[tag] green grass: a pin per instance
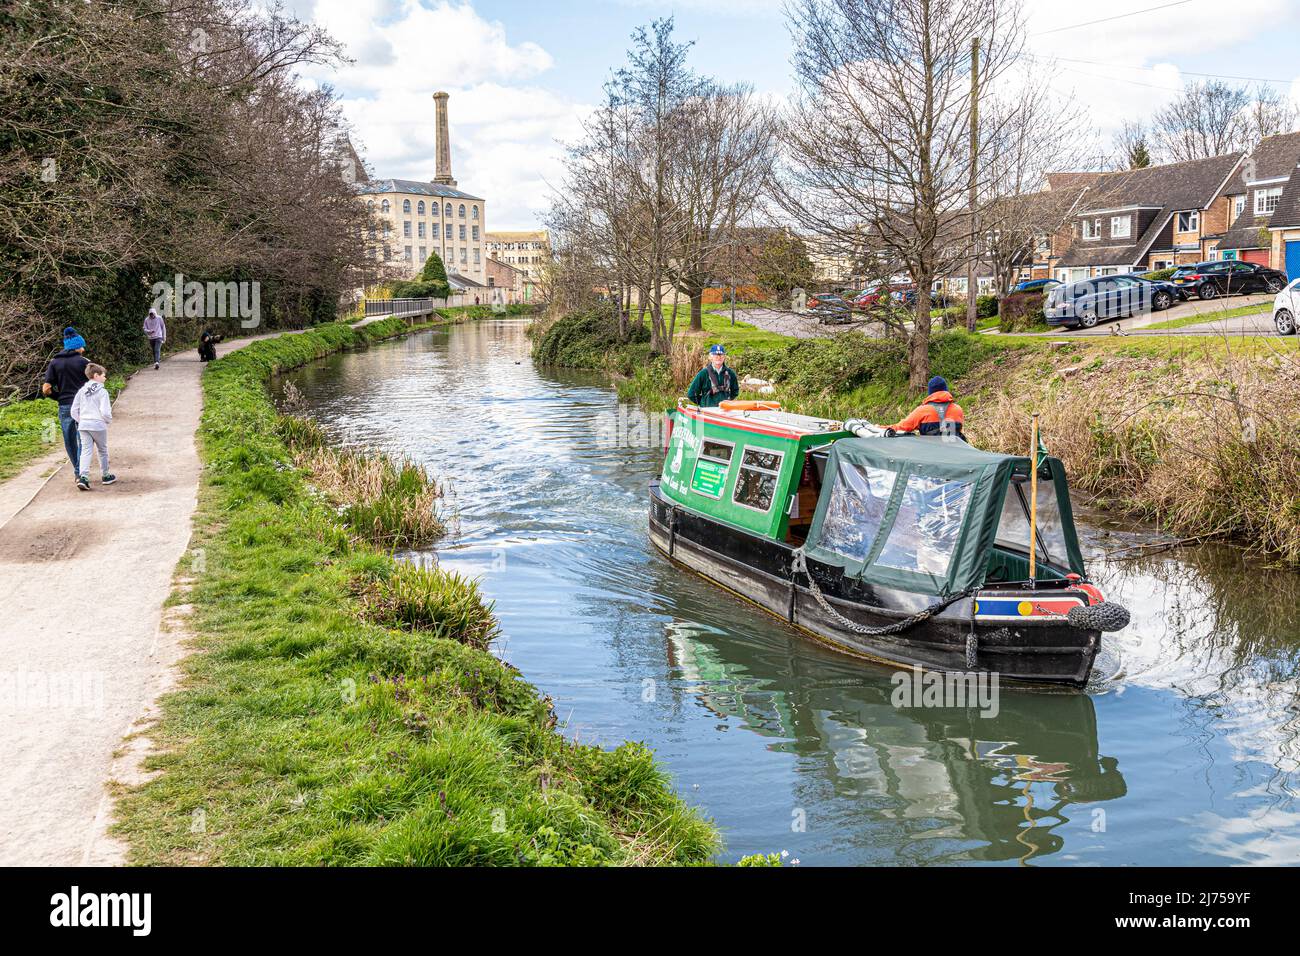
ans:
(1204, 317)
(340, 708)
(31, 428)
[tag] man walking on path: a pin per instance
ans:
(64, 377)
(156, 329)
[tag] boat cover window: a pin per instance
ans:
(1013, 528)
(934, 533)
(925, 533)
(756, 483)
(856, 508)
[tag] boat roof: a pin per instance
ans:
(765, 421)
(931, 450)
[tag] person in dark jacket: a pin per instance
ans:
(208, 345)
(64, 377)
(937, 415)
(714, 383)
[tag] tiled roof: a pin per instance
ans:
(1170, 188)
(1272, 158)
(1287, 212)
(1244, 233)
(417, 188)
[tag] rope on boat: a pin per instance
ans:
(799, 564)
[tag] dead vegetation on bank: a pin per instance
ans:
(1204, 440)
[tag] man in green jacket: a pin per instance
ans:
(714, 383)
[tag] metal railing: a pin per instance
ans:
(402, 308)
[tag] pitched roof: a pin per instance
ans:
(416, 188)
(1274, 157)
(1170, 188)
(1287, 212)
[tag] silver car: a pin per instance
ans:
(1286, 308)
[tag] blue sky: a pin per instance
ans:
(522, 74)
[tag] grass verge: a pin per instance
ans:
(341, 707)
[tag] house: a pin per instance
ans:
(1284, 228)
(1252, 197)
(1137, 220)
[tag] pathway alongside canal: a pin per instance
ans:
(86, 576)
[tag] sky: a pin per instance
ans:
(523, 73)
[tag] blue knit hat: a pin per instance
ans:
(717, 350)
(937, 384)
(72, 340)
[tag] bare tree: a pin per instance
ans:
(726, 143)
(1269, 113)
(1207, 119)
(878, 135)
(1131, 147)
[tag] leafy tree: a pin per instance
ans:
(434, 274)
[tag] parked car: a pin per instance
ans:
(1030, 285)
(1089, 301)
(1286, 309)
(828, 307)
(1225, 277)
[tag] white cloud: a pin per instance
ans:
(504, 126)
(1125, 69)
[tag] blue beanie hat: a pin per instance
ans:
(72, 340)
(937, 384)
(717, 350)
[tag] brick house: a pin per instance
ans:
(1137, 220)
(1251, 198)
(1284, 228)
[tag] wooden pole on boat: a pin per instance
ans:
(1033, 500)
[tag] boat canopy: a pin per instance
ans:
(925, 514)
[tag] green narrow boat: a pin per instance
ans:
(910, 550)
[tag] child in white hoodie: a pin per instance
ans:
(93, 413)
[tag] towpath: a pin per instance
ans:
(86, 650)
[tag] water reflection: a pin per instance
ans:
(1188, 754)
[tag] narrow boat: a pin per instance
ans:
(907, 550)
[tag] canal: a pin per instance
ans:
(1186, 750)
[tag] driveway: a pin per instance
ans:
(1259, 323)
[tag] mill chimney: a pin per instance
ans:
(444, 141)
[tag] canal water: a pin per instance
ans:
(1185, 752)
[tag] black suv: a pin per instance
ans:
(1226, 277)
(1088, 301)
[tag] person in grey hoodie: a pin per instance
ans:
(156, 329)
(93, 413)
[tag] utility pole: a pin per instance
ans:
(972, 282)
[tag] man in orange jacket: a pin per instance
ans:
(938, 415)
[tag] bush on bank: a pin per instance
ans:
(341, 708)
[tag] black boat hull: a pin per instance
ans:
(1033, 650)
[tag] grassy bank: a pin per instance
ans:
(29, 429)
(342, 707)
(1197, 434)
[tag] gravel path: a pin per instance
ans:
(799, 326)
(85, 648)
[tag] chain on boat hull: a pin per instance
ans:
(938, 635)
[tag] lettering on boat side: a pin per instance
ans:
(917, 688)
